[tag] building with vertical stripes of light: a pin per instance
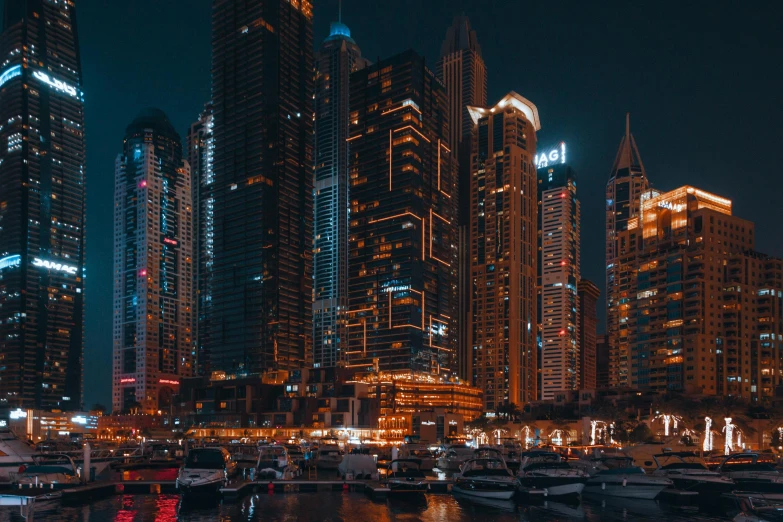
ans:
(403, 245)
(558, 267)
(262, 99)
(336, 59)
(154, 267)
(42, 205)
(461, 69)
(504, 254)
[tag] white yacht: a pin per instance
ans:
(689, 473)
(754, 472)
(48, 472)
(273, 463)
(453, 457)
(486, 478)
(328, 456)
(617, 476)
(420, 452)
(206, 470)
(545, 470)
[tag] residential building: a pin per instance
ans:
(587, 324)
(42, 206)
(504, 257)
(601, 362)
(153, 267)
(200, 155)
(627, 182)
(558, 273)
(402, 245)
(336, 59)
(262, 102)
(461, 69)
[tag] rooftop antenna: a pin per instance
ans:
(340, 11)
(627, 124)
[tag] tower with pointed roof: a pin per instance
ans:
(335, 60)
(461, 69)
(626, 189)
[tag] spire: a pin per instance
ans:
(460, 36)
(340, 11)
(628, 154)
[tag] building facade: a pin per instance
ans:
(402, 246)
(504, 259)
(461, 69)
(587, 324)
(200, 153)
(601, 362)
(688, 329)
(42, 206)
(154, 267)
(627, 182)
(558, 272)
(337, 58)
(262, 100)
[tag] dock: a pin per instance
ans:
(235, 491)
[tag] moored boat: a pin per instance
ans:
(205, 471)
(487, 477)
(617, 476)
(688, 473)
(753, 472)
(406, 476)
(545, 470)
(453, 457)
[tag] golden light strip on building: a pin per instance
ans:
(414, 129)
(390, 160)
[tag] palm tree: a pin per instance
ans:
(732, 411)
(513, 412)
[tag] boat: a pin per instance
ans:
(688, 473)
(512, 451)
(757, 510)
(486, 477)
(753, 472)
(418, 451)
(205, 471)
(358, 466)
(453, 457)
(546, 470)
(296, 455)
(617, 476)
(47, 472)
(328, 456)
(406, 476)
(273, 463)
(245, 455)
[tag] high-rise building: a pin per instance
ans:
(681, 248)
(587, 324)
(627, 182)
(504, 220)
(402, 251)
(558, 273)
(200, 152)
(153, 266)
(461, 69)
(262, 101)
(337, 58)
(601, 362)
(42, 202)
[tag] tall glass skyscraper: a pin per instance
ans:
(42, 201)
(153, 266)
(403, 279)
(200, 153)
(337, 58)
(262, 98)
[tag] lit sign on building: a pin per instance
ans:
(13, 72)
(10, 261)
(18, 414)
(79, 419)
(169, 381)
(57, 85)
(554, 156)
(60, 267)
(671, 206)
(127, 381)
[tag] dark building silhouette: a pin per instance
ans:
(588, 322)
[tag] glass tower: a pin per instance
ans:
(42, 201)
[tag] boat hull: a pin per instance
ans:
(630, 489)
(401, 487)
(705, 488)
(554, 486)
(200, 488)
(497, 494)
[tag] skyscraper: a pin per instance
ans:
(154, 266)
(262, 99)
(462, 71)
(337, 58)
(627, 182)
(558, 269)
(200, 154)
(42, 201)
(402, 267)
(587, 324)
(504, 220)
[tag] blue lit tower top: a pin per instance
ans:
(339, 31)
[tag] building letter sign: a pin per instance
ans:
(554, 156)
(10, 261)
(55, 84)
(13, 72)
(68, 269)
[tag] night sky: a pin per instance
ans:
(702, 84)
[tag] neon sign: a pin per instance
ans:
(554, 156)
(671, 206)
(10, 261)
(79, 419)
(57, 85)
(51, 265)
(169, 381)
(13, 72)
(18, 414)
(127, 381)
